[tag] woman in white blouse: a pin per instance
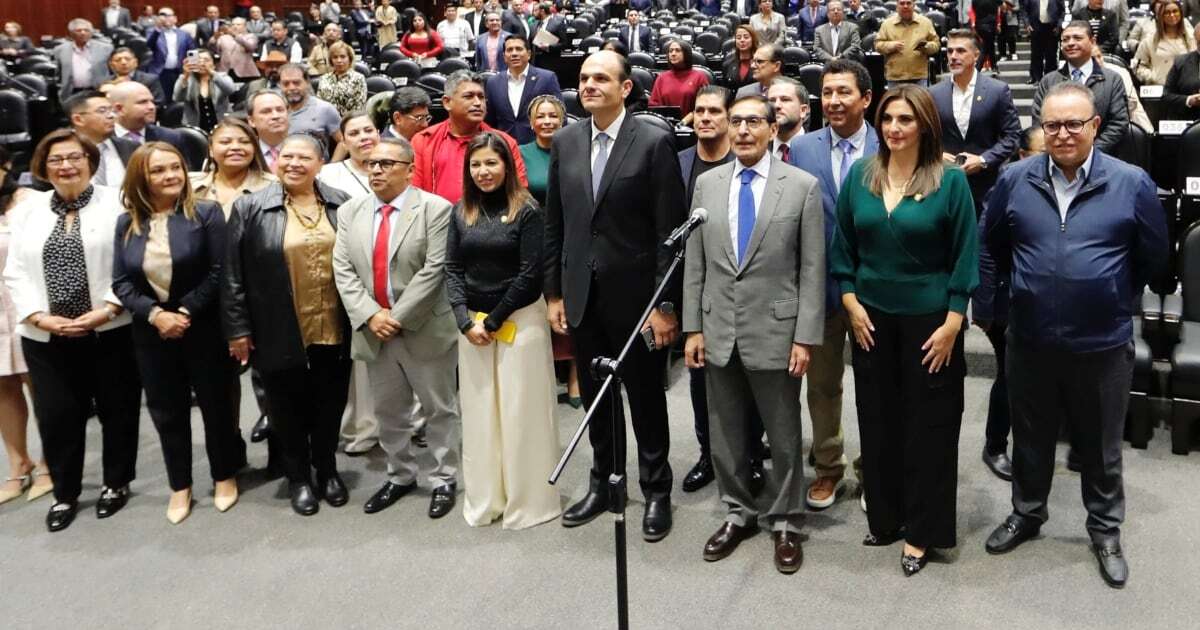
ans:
(75, 333)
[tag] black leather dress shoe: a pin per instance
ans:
(656, 522)
(111, 501)
(725, 540)
(1010, 534)
(789, 555)
(304, 500)
(334, 490)
(1113, 567)
(60, 516)
(999, 464)
(699, 476)
(261, 430)
(758, 477)
(442, 500)
(387, 495)
(588, 508)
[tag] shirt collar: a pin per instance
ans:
(396, 203)
(762, 167)
(520, 77)
(857, 138)
(1087, 68)
(1080, 174)
(970, 84)
(612, 129)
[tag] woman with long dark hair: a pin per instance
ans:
(169, 252)
(736, 68)
(905, 256)
(505, 366)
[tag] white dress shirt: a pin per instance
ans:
(858, 143)
(612, 137)
(833, 37)
(81, 67)
(111, 16)
(394, 224)
(1064, 191)
(516, 88)
(757, 188)
(171, 36)
(962, 100)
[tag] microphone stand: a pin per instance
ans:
(618, 496)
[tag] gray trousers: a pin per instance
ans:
(731, 388)
(398, 381)
(1089, 392)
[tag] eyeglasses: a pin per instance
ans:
(58, 160)
(755, 61)
(753, 122)
(421, 119)
(102, 111)
(384, 165)
(1073, 127)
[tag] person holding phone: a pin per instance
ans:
(203, 91)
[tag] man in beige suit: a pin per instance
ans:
(388, 263)
(753, 306)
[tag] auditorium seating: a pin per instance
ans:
(1185, 357)
(194, 147)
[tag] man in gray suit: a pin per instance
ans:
(837, 38)
(82, 62)
(765, 65)
(388, 263)
(753, 306)
(114, 16)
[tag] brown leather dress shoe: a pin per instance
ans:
(788, 554)
(722, 543)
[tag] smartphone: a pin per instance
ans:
(193, 54)
(648, 337)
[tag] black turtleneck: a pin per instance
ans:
(494, 266)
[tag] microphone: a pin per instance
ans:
(699, 215)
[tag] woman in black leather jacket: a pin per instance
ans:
(281, 310)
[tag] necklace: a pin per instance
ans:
(307, 222)
(903, 188)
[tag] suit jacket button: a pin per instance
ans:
(595, 233)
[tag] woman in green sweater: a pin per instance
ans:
(906, 258)
(546, 116)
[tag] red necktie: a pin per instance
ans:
(379, 258)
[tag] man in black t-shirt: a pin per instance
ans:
(711, 122)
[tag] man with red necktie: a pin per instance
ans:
(388, 264)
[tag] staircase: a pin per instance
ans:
(1016, 75)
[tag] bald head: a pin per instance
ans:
(134, 105)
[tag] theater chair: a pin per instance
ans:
(1181, 321)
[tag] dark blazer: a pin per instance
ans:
(158, 46)
(125, 148)
(993, 133)
(513, 23)
(807, 26)
(481, 52)
(556, 25)
(617, 237)
(730, 69)
(645, 38)
(152, 83)
(867, 23)
(1055, 9)
(197, 258)
(499, 110)
(156, 133)
(204, 31)
(813, 154)
(475, 19)
(1183, 80)
(256, 290)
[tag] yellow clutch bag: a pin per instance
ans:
(507, 332)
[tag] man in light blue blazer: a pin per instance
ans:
(531, 81)
(827, 154)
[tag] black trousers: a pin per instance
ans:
(605, 326)
(1006, 42)
(987, 48)
(69, 375)
(1043, 44)
(908, 421)
(306, 412)
(998, 419)
(698, 389)
(1089, 391)
(171, 370)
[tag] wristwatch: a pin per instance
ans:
(667, 308)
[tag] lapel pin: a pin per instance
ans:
(979, 99)
(504, 219)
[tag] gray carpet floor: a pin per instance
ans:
(261, 566)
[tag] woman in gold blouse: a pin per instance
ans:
(344, 87)
(168, 254)
(281, 311)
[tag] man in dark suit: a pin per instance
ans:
(509, 92)
(515, 20)
(207, 27)
(550, 22)
(827, 154)
(614, 194)
(636, 37)
(980, 130)
(136, 113)
(810, 17)
(124, 66)
(114, 16)
(1043, 28)
(476, 17)
(168, 47)
(861, 16)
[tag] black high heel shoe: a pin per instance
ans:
(912, 564)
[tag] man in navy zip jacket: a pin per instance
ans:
(1081, 233)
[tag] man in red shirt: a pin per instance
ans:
(441, 149)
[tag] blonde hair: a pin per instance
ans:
(135, 190)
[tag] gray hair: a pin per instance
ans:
(830, 4)
(77, 22)
(801, 91)
(292, 67)
(406, 150)
(458, 77)
(1070, 88)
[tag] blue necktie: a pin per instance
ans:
(1077, 75)
(745, 214)
(847, 148)
(599, 164)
